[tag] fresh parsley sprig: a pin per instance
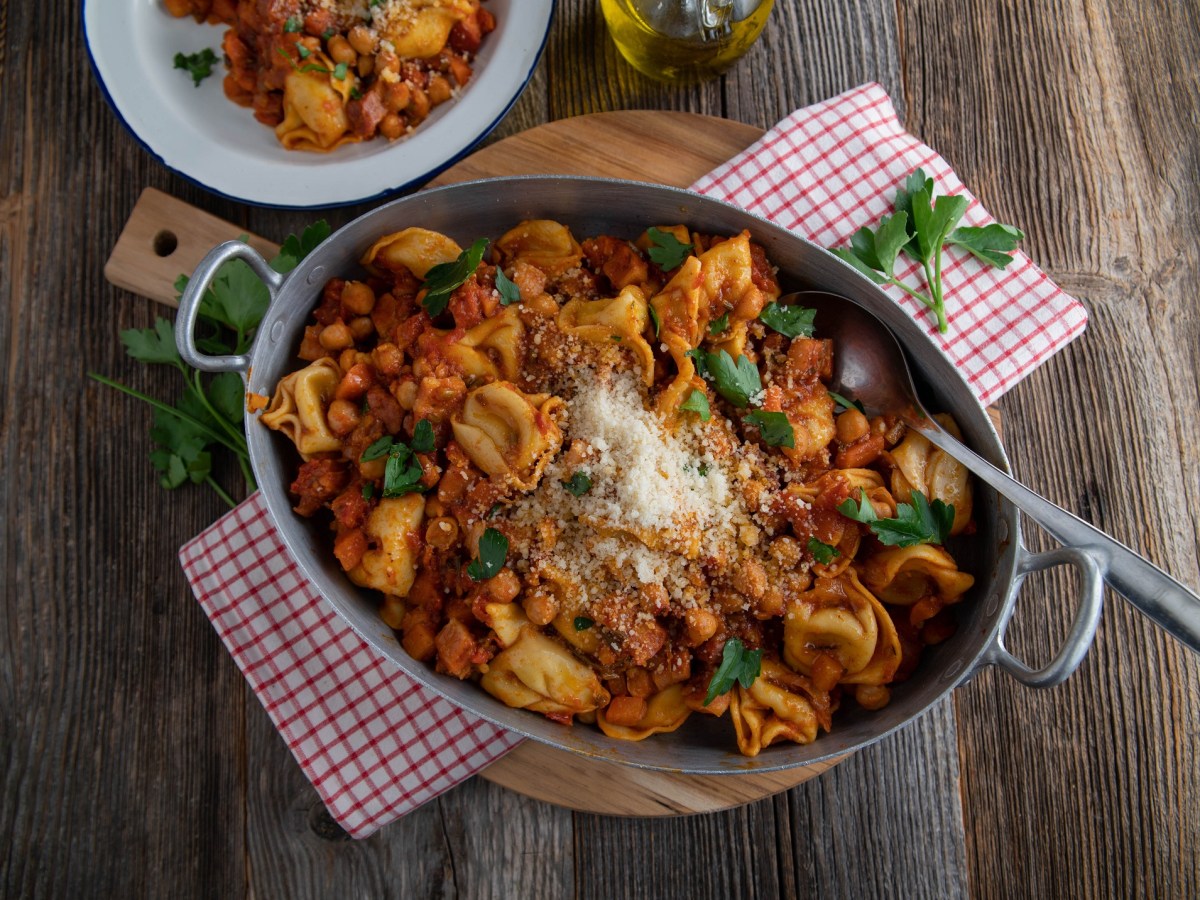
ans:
(790, 321)
(666, 251)
(507, 288)
(922, 226)
(445, 278)
(918, 522)
(402, 474)
(774, 427)
(697, 402)
(737, 665)
(211, 411)
(737, 381)
(822, 552)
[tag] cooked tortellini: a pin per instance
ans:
(314, 113)
(540, 242)
(492, 349)
(904, 575)
(297, 409)
(776, 707)
(920, 466)
(665, 712)
(621, 319)
(416, 249)
(507, 433)
(394, 528)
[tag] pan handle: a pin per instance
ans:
(189, 304)
(1087, 617)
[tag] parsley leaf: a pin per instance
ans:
(493, 551)
(199, 65)
(292, 25)
(339, 71)
(295, 248)
(790, 321)
(823, 553)
(915, 523)
(654, 318)
(993, 244)
(717, 326)
(445, 278)
(697, 402)
(368, 490)
(509, 292)
(698, 360)
(737, 665)
(378, 449)
(775, 428)
(844, 404)
(402, 474)
(578, 484)
(152, 345)
(422, 441)
(736, 382)
(666, 252)
(583, 623)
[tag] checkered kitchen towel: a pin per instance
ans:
(377, 745)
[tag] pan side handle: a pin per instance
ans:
(1087, 617)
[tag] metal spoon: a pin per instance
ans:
(870, 367)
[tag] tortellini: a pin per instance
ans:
(543, 243)
(841, 619)
(394, 530)
(501, 335)
(421, 31)
(920, 466)
(314, 113)
(416, 249)
(536, 672)
(904, 575)
(776, 707)
(665, 712)
(298, 406)
(507, 433)
(621, 318)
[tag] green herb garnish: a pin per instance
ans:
(655, 319)
(578, 484)
(822, 552)
(493, 551)
(666, 252)
(922, 226)
(699, 361)
(339, 71)
(790, 321)
(775, 428)
(915, 523)
(845, 404)
(292, 25)
(199, 65)
(368, 490)
(445, 278)
(697, 402)
(717, 326)
(737, 665)
(422, 441)
(736, 382)
(509, 292)
(583, 623)
(210, 413)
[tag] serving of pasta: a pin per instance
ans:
(606, 480)
(326, 73)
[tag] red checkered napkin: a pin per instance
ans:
(377, 745)
(827, 170)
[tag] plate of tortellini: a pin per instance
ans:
(313, 103)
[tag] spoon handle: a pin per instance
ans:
(1149, 588)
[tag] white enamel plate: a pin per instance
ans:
(219, 145)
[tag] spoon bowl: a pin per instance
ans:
(870, 367)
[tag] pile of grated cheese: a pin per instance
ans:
(662, 505)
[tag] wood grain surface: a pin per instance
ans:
(137, 763)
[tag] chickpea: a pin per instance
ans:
(851, 425)
(336, 336)
(541, 606)
(439, 90)
(361, 39)
(504, 585)
(358, 298)
(871, 696)
(361, 327)
(543, 304)
(396, 97)
(366, 65)
(343, 417)
(442, 533)
(701, 625)
(405, 393)
(391, 126)
(340, 51)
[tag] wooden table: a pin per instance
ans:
(136, 761)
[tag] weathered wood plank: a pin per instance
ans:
(1080, 123)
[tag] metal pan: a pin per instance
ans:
(591, 206)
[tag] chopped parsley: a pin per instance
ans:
(666, 251)
(717, 326)
(790, 321)
(445, 278)
(655, 319)
(738, 665)
(292, 25)
(578, 484)
(736, 382)
(697, 402)
(918, 522)
(402, 474)
(583, 623)
(775, 428)
(844, 404)
(509, 292)
(199, 65)
(493, 551)
(822, 552)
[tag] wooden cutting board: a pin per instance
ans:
(165, 237)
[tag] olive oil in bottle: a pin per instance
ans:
(681, 41)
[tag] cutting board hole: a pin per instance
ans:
(165, 243)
